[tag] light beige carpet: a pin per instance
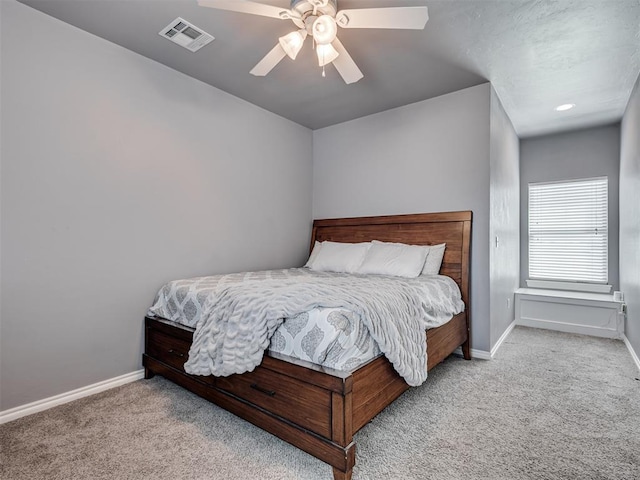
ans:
(549, 406)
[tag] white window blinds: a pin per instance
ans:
(568, 231)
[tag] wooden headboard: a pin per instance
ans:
(452, 228)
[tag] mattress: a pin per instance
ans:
(331, 337)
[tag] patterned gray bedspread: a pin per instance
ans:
(331, 337)
(236, 315)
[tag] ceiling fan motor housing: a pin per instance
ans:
(305, 10)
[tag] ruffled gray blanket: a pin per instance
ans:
(238, 320)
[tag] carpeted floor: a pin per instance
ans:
(549, 406)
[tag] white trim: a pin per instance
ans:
(47, 403)
(568, 327)
(572, 312)
(631, 351)
(571, 286)
(481, 354)
(502, 338)
(600, 298)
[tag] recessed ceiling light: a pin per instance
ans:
(565, 107)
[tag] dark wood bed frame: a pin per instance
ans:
(314, 408)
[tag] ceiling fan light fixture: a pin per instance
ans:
(326, 54)
(292, 43)
(564, 107)
(324, 29)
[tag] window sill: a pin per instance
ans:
(566, 295)
(569, 286)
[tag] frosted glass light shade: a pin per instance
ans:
(292, 43)
(324, 30)
(326, 54)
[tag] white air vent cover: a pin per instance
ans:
(186, 35)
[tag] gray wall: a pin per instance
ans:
(426, 157)
(119, 174)
(630, 216)
(1, 142)
(592, 152)
(504, 254)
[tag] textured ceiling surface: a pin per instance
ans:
(537, 55)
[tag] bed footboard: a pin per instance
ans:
(310, 408)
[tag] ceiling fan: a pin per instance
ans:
(320, 19)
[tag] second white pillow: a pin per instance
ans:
(395, 259)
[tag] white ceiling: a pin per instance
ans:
(537, 55)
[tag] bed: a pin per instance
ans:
(314, 408)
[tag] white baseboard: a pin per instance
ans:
(631, 351)
(481, 354)
(47, 403)
(502, 338)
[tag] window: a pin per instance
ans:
(568, 231)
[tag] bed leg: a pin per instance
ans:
(340, 475)
(466, 350)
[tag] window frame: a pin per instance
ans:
(601, 206)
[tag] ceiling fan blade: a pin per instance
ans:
(345, 65)
(245, 6)
(410, 18)
(270, 60)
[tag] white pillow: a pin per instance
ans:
(340, 257)
(434, 259)
(396, 259)
(314, 254)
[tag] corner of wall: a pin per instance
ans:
(630, 215)
(504, 228)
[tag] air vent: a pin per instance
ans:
(186, 35)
